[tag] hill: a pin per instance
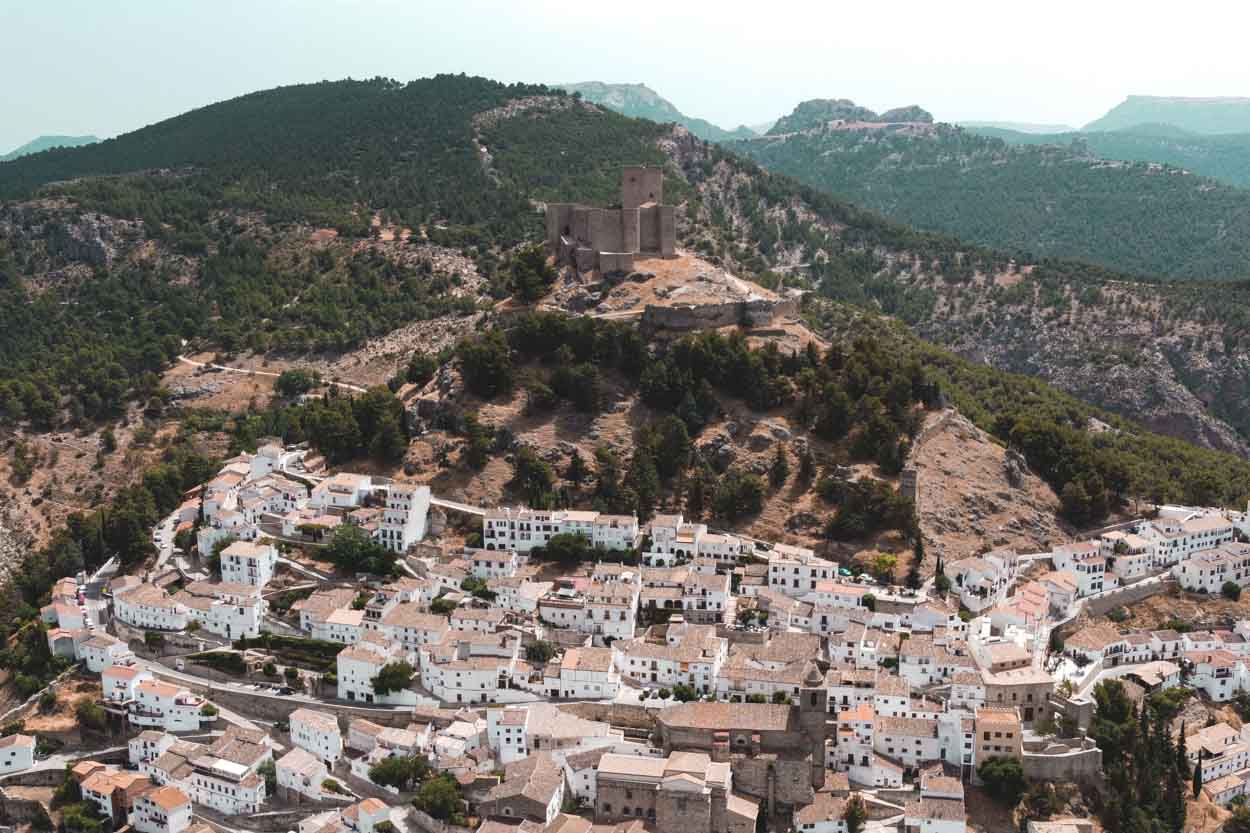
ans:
(1039, 200)
(1225, 158)
(1197, 115)
(1017, 126)
(641, 102)
(42, 143)
(818, 112)
(320, 219)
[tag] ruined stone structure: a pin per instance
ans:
(778, 752)
(607, 239)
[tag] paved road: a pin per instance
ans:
(270, 374)
(163, 538)
(468, 509)
(306, 571)
(227, 715)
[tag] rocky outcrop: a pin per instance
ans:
(1174, 375)
(974, 495)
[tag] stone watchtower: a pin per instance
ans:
(608, 239)
(814, 719)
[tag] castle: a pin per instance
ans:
(607, 239)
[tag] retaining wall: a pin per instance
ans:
(620, 715)
(1126, 596)
(15, 811)
(277, 707)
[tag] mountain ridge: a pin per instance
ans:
(816, 112)
(1207, 115)
(48, 142)
(1033, 198)
(640, 101)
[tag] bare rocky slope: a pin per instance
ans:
(973, 494)
(1134, 349)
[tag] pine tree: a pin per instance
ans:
(577, 472)
(780, 469)
(1182, 754)
(914, 580)
(1174, 802)
(807, 466)
(644, 480)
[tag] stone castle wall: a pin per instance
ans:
(754, 313)
(607, 238)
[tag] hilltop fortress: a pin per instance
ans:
(607, 239)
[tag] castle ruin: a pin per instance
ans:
(608, 239)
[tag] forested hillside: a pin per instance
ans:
(1225, 158)
(459, 160)
(1040, 201)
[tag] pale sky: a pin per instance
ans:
(106, 67)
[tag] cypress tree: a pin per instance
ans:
(1182, 754)
(1198, 778)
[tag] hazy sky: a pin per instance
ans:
(108, 66)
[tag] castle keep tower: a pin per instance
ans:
(607, 239)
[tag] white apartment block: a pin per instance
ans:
(506, 733)
(358, 664)
(404, 516)
(1219, 674)
(318, 733)
(492, 564)
(1208, 570)
(584, 674)
(982, 582)
(341, 491)
(224, 608)
(412, 626)
(345, 626)
(1179, 532)
(522, 529)
(300, 772)
(101, 650)
(795, 571)
(676, 653)
(162, 810)
(468, 680)
(674, 541)
(244, 562)
(17, 752)
(120, 683)
(910, 741)
(148, 606)
(165, 706)
(604, 609)
(148, 745)
(1222, 749)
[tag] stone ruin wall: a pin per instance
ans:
(756, 313)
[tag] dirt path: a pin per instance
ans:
(269, 373)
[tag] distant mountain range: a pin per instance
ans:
(1224, 157)
(47, 143)
(1018, 126)
(641, 102)
(1054, 196)
(1197, 115)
